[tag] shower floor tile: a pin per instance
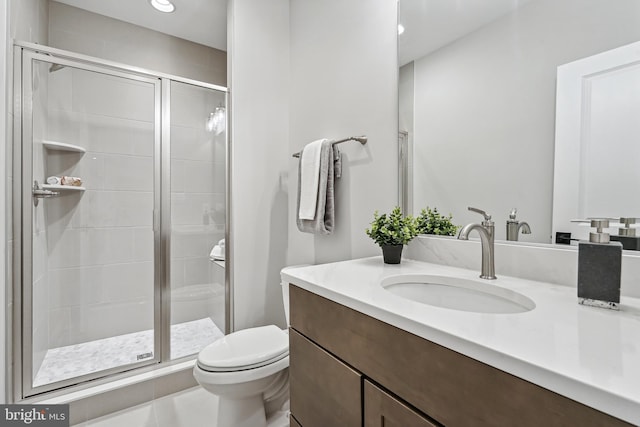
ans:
(80, 359)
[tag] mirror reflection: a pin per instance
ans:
(478, 102)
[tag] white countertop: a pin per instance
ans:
(591, 355)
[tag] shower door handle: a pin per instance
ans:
(39, 193)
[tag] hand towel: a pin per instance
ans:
(309, 179)
(324, 215)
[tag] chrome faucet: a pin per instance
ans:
(514, 226)
(486, 231)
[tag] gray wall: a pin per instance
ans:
(84, 32)
(344, 80)
(328, 69)
(258, 34)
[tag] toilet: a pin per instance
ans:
(249, 372)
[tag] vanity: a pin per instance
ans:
(362, 355)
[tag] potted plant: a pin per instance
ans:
(391, 232)
(432, 222)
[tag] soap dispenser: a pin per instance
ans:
(627, 235)
(514, 226)
(599, 268)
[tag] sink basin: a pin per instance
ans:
(457, 294)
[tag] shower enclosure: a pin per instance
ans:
(119, 199)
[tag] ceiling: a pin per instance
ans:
(199, 21)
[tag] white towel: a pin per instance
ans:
(309, 179)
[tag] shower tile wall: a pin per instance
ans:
(100, 242)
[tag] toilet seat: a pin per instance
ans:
(246, 349)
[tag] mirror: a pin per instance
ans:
(478, 100)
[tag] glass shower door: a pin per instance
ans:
(198, 172)
(91, 144)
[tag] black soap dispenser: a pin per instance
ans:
(599, 268)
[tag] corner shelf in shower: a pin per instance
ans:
(63, 146)
(62, 187)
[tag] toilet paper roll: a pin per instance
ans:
(53, 180)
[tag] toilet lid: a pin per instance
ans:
(245, 349)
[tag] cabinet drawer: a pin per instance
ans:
(324, 391)
(383, 410)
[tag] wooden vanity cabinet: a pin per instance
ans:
(382, 409)
(349, 369)
(325, 391)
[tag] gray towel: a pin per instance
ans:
(325, 209)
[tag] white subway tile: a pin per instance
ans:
(112, 96)
(128, 173)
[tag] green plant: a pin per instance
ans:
(393, 228)
(432, 222)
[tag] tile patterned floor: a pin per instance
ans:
(80, 359)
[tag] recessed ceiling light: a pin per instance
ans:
(400, 29)
(163, 5)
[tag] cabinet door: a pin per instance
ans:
(293, 422)
(383, 410)
(324, 391)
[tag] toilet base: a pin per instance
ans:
(247, 412)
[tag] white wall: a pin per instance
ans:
(344, 82)
(259, 78)
(485, 108)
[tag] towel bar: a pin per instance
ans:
(361, 139)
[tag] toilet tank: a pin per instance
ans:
(285, 291)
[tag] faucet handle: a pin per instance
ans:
(481, 212)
